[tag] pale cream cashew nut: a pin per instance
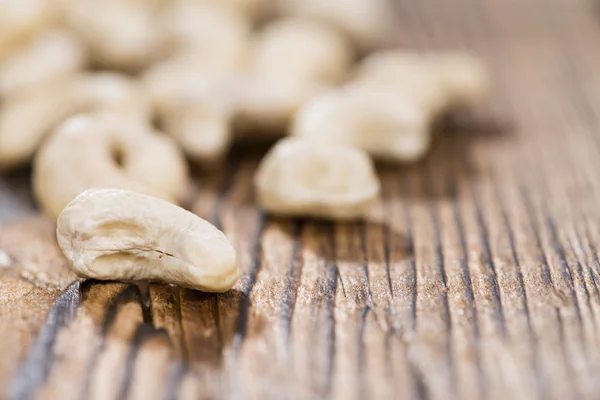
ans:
(111, 234)
(383, 122)
(29, 115)
(436, 80)
(368, 22)
(216, 34)
(53, 53)
(202, 129)
(119, 33)
(203, 108)
(303, 178)
(106, 150)
(301, 49)
(265, 107)
(19, 19)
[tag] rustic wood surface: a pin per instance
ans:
(476, 276)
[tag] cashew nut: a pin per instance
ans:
(368, 22)
(106, 150)
(201, 128)
(29, 115)
(308, 179)
(120, 33)
(265, 107)
(55, 52)
(112, 234)
(19, 19)
(300, 49)
(203, 108)
(437, 80)
(212, 32)
(383, 122)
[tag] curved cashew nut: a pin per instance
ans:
(120, 34)
(308, 179)
(437, 80)
(384, 123)
(29, 115)
(300, 49)
(201, 128)
(367, 22)
(265, 107)
(19, 19)
(53, 53)
(203, 108)
(211, 32)
(114, 234)
(106, 151)
(255, 9)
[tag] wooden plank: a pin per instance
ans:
(476, 276)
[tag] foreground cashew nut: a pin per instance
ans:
(106, 150)
(300, 49)
(437, 80)
(308, 179)
(29, 115)
(383, 122)
(53, 53)
(112, 234)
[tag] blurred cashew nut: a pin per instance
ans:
(368, 22)
(29, 115)
(119, 33)
(437, 80)
(303, 178)
(20, 19)
(211, 32)
(53, 53)
(383, 122)
(106, 150)
(301, 49)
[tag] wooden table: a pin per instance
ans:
(476, 275)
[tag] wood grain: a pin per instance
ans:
(476, 275)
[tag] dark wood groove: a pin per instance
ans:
(412, 262)
(293, 279)
(143, 333)
(128, 295)
(439, 256)
(181, 367)
(420, 390)
(540, 388)
(545, 271)
(176, 374)
(241, 322)
(360, 357)
(469, 294)
(564, 352)
(362, 319)
(580, 274)
(567, 275)
(333, 276)
(35, 370)
(233, 166)
(596, 262)
(492, 275)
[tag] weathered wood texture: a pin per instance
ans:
(475, 277)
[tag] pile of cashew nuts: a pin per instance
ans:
(109, 100)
